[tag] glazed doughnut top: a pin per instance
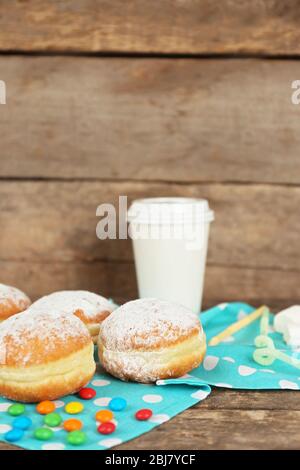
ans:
(12, 298)
(86, 305)
(29, 339)
(147, 324)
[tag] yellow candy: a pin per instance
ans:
(74, 407)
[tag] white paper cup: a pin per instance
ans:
(170, 237)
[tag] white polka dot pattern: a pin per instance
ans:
(223, 385)
(200, 394)
(159, 418)
(210, 362)
(110, 442)
(59, 403)
(228, 359)
(100, 383)
(103, 401)
(241, 315)
(223, 306)
(152, 398)
(287, 384)
(53, 446)
(4, 406)
(4, 428)
(245, 370)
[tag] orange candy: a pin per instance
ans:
(72, 425)
(104, 416)
(45, 407)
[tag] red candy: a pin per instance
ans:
(87, 393)
(144, 414)
(106, 428)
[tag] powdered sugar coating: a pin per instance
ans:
(70, 301)
(146, 324)
(9, 294)
(29, 338)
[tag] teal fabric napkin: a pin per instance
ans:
(165, 402)
(230, 363)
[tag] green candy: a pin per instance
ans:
(16, 409)
(76, 438)
(52, 420)
(43, 434)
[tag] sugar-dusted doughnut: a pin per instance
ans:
(149, 339)
(91, 308)
(12, 301)
(43, 357)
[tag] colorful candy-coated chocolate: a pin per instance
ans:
(14, 435)
(74, 407)
(45, 407)
(22, 422)
(104, 416)
(52, 420)
(76, 438)
(117, 404)
(87, 393)
(106, 428)
(143, 414)
(43, 434)
(72, 425)
(16, 409)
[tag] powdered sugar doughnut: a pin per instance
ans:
(149, 339)
(43, 357)
(12, 301)
(91, 308)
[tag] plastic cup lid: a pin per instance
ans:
(170, 210)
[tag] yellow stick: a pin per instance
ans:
(237, 326)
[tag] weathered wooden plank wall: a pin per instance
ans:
(168, 26)
(78, 131)
(150, 119)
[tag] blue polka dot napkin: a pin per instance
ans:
(165, 402)
(230, 363)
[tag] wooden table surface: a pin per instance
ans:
(228, 419)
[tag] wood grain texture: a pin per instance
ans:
(256, 226)
(48, 239)
(137, 126)
(226, 399)
(224, 430)
(150, 119)
(177, 26)
(227, 419)
(117, 280)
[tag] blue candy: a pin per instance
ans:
(117, 404)
(22, 422)
(14, 435)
